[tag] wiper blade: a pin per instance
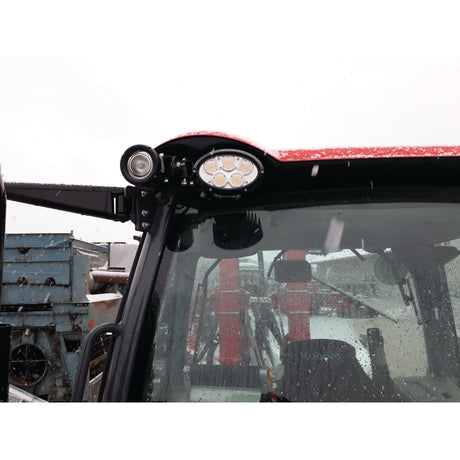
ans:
(352, 297)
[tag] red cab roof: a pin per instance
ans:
(365, 152)
(345, 153)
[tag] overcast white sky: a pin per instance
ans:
(79, 87)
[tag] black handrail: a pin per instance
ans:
(5, 345)
(83, 366)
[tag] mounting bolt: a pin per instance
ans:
(145, 212)
(144, 194)
(145, 225)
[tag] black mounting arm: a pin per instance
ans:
(105, 202)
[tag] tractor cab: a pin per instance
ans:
(297, 276)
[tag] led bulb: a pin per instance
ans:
(140, 165)
(245, 167)
(211, 166)
(219, 180)
(228, 163)
(236, 180)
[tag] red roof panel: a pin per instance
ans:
(345, 153)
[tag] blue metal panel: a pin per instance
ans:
(37, 255)
(36, 273)
(64, 318)
(14, 294)
(38, 240)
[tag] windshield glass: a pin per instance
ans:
(354, 302)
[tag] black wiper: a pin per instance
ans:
(408, 298)
(352, 297)
(335, 288)
(275, 259)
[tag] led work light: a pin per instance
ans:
(229, 170)
(140, 164)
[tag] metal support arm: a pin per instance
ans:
(105, 202)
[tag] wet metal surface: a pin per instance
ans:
(45, 286)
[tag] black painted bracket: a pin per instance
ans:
(104, 202)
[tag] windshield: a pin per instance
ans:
(354, 302)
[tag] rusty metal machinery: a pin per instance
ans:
(46, 285)
(28, 365)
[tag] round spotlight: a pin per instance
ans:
(229, 171)
(140, 164)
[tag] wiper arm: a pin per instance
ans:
(352, 297)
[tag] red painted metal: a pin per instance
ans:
(231, 302)
(343, 153)
(365, 152)
(294, 301)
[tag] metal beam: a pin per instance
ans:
(104, 202)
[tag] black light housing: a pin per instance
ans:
(140, 164)
(292, 271)
(237, 231)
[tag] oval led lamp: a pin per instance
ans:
(228, 171)
(140, 164)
